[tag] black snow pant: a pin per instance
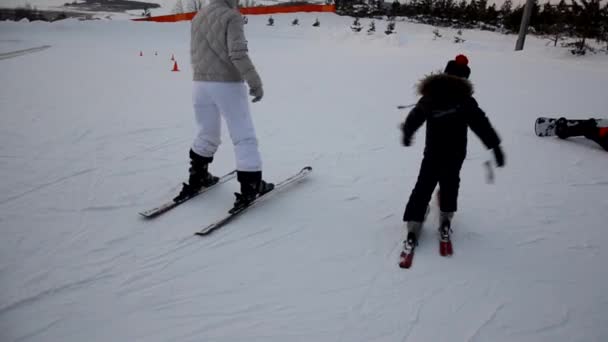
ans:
(589, 130)
(600, 136)
(446, 172)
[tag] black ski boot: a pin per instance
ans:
(561, 128)
(252, 186)
(564, 130)
(199, 176)
(410, 242)
(587, 128)
(445, 232)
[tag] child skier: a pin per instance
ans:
(449, 109)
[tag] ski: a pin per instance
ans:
(406, 258)
(235, 212)
(154, 212)
(406, 106)
(411, 242)
(445, 248)
(445, 242)
(409, 247)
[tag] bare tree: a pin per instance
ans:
(179, 7)
(436, 34)
(194, 5)
(587, 23)
(246, 3)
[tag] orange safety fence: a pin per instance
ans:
(171, 18)
(288, 9)
(246, 11)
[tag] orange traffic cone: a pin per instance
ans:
(141, 53)
(175, 67)
(172, 57)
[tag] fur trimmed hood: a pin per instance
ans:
(444, 86)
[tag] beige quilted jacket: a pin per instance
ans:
(218, 48)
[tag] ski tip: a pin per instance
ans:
(405, 266)
(145, 215)
(405, 260)
(445, 249)
(204, 233)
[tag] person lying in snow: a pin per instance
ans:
(449, 109)
(588, 129)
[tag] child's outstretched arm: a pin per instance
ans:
(414, 120)
(481, 126)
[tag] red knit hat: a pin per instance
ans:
(462, 60)
(458, 67)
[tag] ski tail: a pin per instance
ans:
(406, 259)
(157, 211)
(445, 248)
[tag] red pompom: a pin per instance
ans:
(462, 60)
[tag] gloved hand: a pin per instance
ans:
(257, 92)
(499, 156)
(406, 140)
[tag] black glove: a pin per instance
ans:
(499, 156)
(406, 139)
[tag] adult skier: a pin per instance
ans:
(221, 66)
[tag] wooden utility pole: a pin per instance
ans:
(523, 28)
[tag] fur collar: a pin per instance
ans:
(444, 86)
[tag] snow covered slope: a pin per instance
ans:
(91, 133)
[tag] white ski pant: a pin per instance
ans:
(212, 100)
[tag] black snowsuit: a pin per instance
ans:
(600, 136)
(449, 109)
(587, 129)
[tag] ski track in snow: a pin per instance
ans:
(45, 185)
(18, 53)
(418, 307)
(491, 317)
(53, 292)
(40, 331)
(561, 322)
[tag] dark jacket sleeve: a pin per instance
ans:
(415, 119)
(480, 125)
